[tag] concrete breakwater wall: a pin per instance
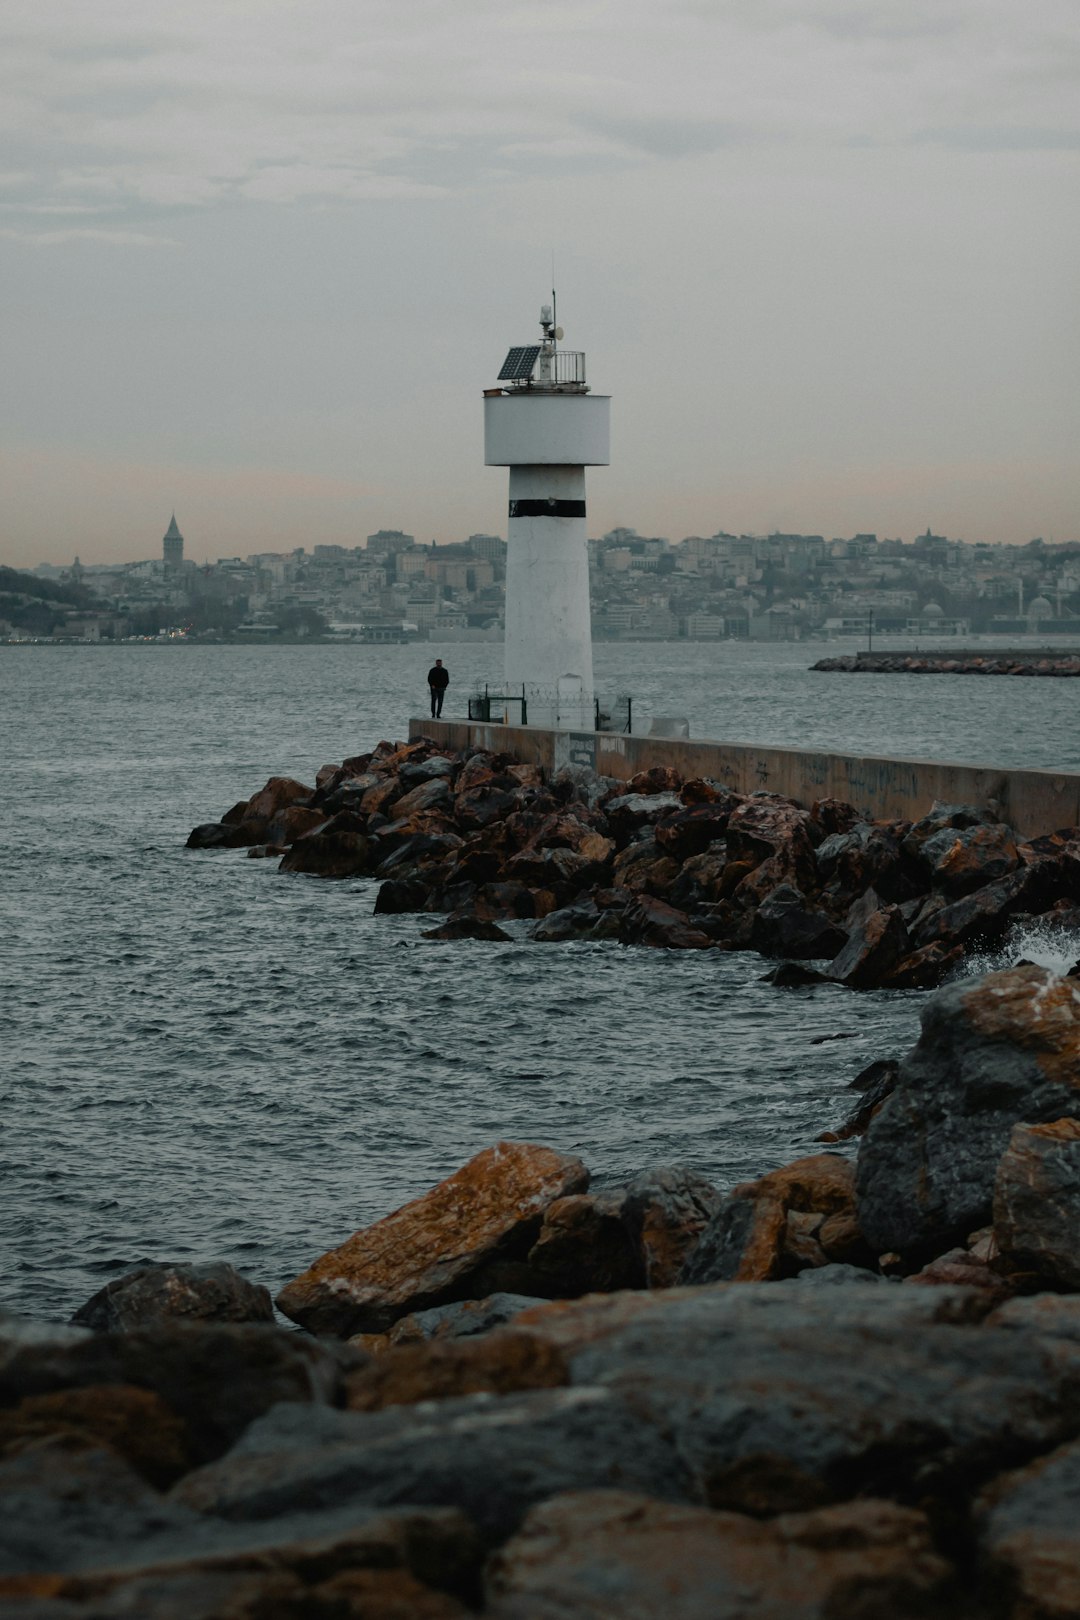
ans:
(951, 663)
(1032, 802)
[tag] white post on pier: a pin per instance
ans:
(543, 423)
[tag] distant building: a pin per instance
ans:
(173, 548)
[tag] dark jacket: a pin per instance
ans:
(438, 678)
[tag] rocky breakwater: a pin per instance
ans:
(942, 663)
(662, 861)
(524, 1397)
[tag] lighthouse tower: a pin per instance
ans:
(544, 424)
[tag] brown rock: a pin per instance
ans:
(466, 925)
(337, 849)
(433, 795)
(642, 868)
(665, 1210)
(606, 1554)
(752, 1237)
(657, 779)
(1037, 1205)
(194, 1293)
(924, 969)
(134, 1423)
(497, 1363)
(278, 793)
(584, 1248)
(649, 921)
(427, 1252)
(877, 943)
(292, 823)
(378, 800)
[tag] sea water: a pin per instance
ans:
(203, 1058)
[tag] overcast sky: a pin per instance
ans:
(260, 259)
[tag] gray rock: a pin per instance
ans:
(465, 1319)
(1027, 1541)
(217, 1377)
(153, 1293)
(993, 1052)
(492, 1458)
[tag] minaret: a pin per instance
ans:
(544, 425)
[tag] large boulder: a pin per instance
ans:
(429, 1252)
(1027, 1544)
(800, 1216)
(155, 1293)
(588, 1555)
(1037, 1205)
(216, 1377)
(876, 944)
(665, 1210)
(963, 859)
(337, 849)
(785, 925)
(993, 1053)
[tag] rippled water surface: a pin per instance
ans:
(205, 1058)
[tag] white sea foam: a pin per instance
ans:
(1038, 941)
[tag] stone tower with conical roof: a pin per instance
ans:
(173, 547)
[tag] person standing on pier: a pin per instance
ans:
(438, 680)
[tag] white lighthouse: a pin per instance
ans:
(543, 423)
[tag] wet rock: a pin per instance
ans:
(705, 790)
(265, 852)
(466, 925)
(337, 849)
(216, 1377)
(418, 854)
(497, 902)
(157, 1293)
(399, 895)
(428, 1252)
(924, 969)
(478, 769)
(758, 1234)
(794, 976)
(877, 943)
(962, 859)
(665, 1210)
(587, 1556)
(993, 1053)
(876, 1082)
(984, 916)
(649, 921)
(1037, 1205)
(569, 922)
(216, 835)
(766, 823)
(785, 925)
(700, 878)
(657, 779)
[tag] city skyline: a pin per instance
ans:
(260, 266)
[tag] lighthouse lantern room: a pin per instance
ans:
(544, 424)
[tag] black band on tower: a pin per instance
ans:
(547, 508)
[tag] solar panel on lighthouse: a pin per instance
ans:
(519, 363)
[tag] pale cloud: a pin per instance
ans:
(823, 252)
(207, 102)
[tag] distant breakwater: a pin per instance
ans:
(963, 663)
